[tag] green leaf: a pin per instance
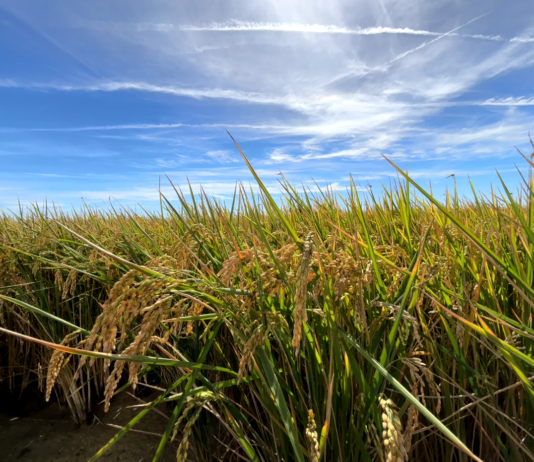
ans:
(272, 202)
(278, 397)
(413, 400)
(40, 312)
(490, 253)
(152, 360)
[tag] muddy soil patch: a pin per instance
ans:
(49, 434)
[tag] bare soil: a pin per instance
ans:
(50, 435)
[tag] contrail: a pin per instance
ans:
(523, 39)
(244, 26)
(521, 101)
(424, 44)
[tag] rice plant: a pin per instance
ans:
(346, 327)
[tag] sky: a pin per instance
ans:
(104, 100)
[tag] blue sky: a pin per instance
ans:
(101, 99)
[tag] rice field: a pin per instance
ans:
(377, 326)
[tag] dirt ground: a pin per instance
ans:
(50, 435)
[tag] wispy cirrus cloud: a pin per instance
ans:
(211, 93)
(222, 156)
(518, 101)
(506, 132)
(141, 194)
(147, 127)
(293, 102)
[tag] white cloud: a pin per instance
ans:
(381, 111)
(496, 38)
(278, 155)
(141, 194)
(507, 132)
(212, 93)
(522, 39)
(161, 27)
(166, 163)
(7, 83)
(54, 175)
(222, 157)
